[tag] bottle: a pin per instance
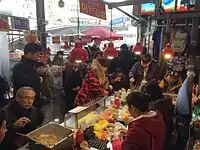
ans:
(117, 103)
(79, 138)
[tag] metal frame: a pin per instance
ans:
(130, 2)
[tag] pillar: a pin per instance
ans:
(40, 10)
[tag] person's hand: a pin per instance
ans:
(77, 88)
(123, 130)
(41, 79)
(110, 87)
(132, 80)
(21, 122)
(117, 79)
(105, 93)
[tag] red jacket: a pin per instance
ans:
(146, 132)
(90, 89)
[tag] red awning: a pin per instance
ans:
(102, 33)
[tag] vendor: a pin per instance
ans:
(171, 82)
(3, 129)
(147, 130)
(145, 70)
(21, 116)
(94, 83)
(118, 80)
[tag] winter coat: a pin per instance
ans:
(73, 79)
(125, 61)
(91, 88)
(146, 132)
(165, 107)
(137, 72)
(14, 111)
(25, 74)
(47, 87)
(4, 88)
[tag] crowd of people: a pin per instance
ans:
(34, 87)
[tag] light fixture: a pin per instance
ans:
(78, 61)
(61, 4)
(168, 52)
(110, 52)
(138, 49)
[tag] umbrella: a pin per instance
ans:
(102, 33)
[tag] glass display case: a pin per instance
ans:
(72, 118)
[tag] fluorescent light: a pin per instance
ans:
(167, 56)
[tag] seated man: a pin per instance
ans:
(21, 115)
(3, 129)
(118, 80)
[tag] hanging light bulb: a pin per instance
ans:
(168, 51)
(61, 4)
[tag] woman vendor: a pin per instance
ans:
(94, 83)
(171, 82)
(147, 130)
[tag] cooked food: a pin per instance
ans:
(48, 140)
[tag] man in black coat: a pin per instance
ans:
(25, 73)
(72, 84)
(21, 116)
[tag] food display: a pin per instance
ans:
(49, 140)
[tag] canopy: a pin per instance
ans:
(102, 33)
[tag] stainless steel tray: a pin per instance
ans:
(64, 133)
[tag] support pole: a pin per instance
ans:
(41, 22)
(78, 21)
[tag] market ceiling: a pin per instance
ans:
(118, 3)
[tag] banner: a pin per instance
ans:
(4, 25)
(95, 8)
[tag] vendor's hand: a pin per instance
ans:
(21, 122)
(132, 80)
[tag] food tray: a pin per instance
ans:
(65, 134)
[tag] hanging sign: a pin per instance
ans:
(95, 8)
(56, 40)
(30, 36)
(4, 25)
(20, 23)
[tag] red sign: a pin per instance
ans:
(30, 36)
(95, 8)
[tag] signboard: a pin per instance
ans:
(4, 25)
(20, 23)
(118, 21)
(168, 5)
(95, 8)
